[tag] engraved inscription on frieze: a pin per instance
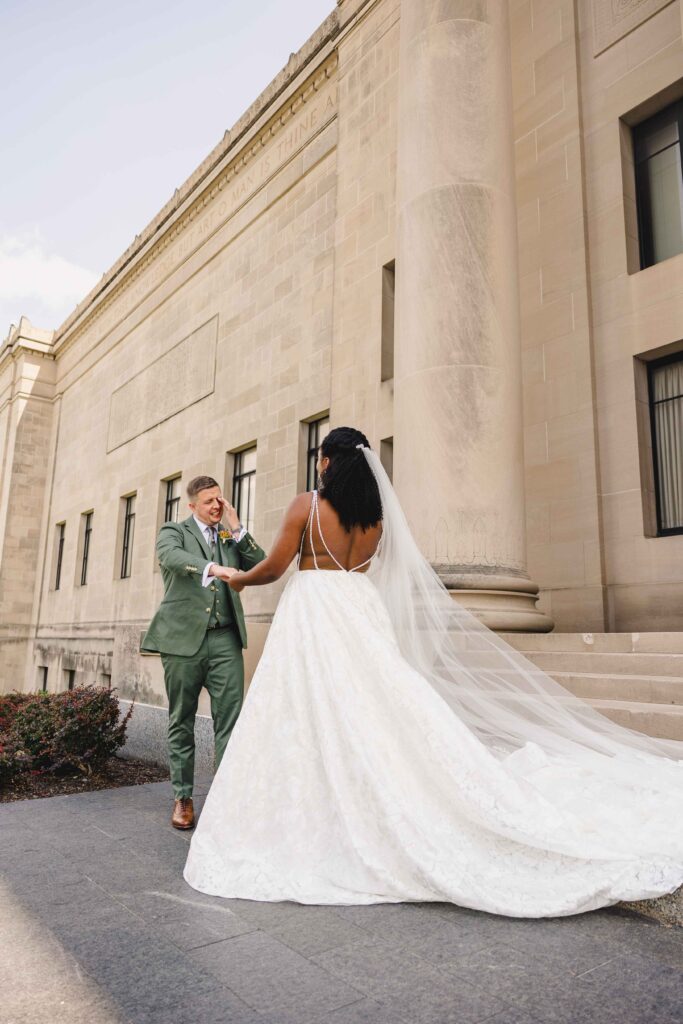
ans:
(614, 19)
(228, 198)
(182, 376)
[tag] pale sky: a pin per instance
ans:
(105, 109)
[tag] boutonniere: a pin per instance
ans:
(224, 535)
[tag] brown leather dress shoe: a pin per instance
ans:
(183, 813)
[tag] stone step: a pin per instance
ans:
(665, 664)
(611, 643)
(649, 689)
(648, 718)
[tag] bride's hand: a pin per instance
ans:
(234, 580)
(223, 572)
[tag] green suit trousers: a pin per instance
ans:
(218, 665)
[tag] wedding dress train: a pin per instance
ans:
(349, 777)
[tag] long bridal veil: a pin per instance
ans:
(518, 711)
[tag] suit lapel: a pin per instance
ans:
(226, 551)
(222, 556)
(190, 525)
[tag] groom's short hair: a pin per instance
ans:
(200, 483)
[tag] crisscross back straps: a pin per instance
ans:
(317, 517)
(315, 510)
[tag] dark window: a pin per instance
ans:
(87, 530)
(659, 184)
(128, 532)
(244, 486)
(69, 676)
(106, 680)
(386, 454)
(60, 554)
(665, 379)
(43, 678)
(388, 302)
(317, 431)
(172, 506)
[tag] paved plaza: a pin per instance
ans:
(97, 926)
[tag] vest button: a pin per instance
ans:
(208, 610)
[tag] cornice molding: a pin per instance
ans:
(26, 338)
(186, 207)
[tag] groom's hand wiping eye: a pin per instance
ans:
(231, 513)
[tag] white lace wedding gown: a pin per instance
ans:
(349, 780)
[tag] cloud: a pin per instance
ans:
(38, 283)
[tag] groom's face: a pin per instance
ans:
(207, 505)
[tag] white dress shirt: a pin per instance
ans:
(208, 530)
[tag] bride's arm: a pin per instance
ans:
(284, 548)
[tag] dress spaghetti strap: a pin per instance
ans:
(315, 510)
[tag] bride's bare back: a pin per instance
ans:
(334, 548)
(352, 549)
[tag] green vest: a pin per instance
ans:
(220, 600)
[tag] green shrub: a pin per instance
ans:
(10, 703)
(55, 732)
(12, 758)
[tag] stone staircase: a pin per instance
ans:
(642, 671)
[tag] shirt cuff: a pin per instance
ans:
(205, 575)
(237, 537)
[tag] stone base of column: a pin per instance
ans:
(504, 602)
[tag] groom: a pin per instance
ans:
(199, 628)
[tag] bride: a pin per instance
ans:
(391, 748)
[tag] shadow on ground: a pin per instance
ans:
(97, 926)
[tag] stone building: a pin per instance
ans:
(456, 226)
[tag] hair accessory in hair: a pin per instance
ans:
(361, 446)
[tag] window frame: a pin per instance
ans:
(643, 205)
(87, 518)
(238, 478)
(172, 501)
(128, 536)
(61, 533)
(312, 444)
(387, 332)
(386, 454)
(652, 365)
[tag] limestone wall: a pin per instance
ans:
(258, 299)
(563, 509)
(217, 338)
(634, 312)
(26, 427)
(582, 72)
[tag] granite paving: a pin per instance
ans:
(98, 926)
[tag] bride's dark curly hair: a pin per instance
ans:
(348, 483)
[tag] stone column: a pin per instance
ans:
(458, 443)
(27, 375)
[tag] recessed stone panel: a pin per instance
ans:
(179, 378)
(613, 19)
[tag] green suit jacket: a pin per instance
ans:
(180, 623)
